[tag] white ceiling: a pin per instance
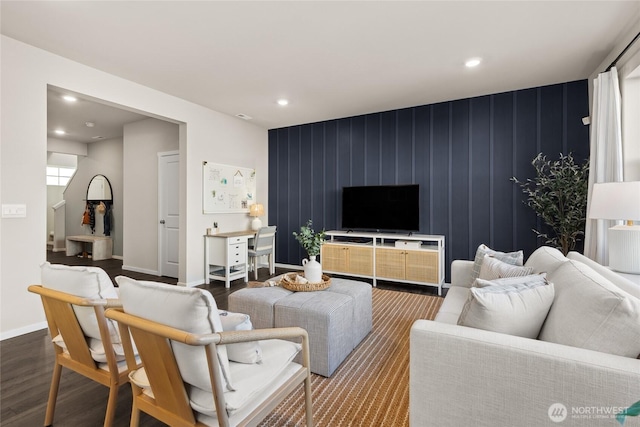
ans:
(330, 59)
(72, 117)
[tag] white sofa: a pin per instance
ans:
(464, 376)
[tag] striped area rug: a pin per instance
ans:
(371, 387)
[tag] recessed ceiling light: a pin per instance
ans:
(473, 62)
(89, 124)
(70, 98)
(283, 102)
(59, 131)
(243, 116)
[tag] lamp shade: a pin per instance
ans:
(256, 210)
(616, 200)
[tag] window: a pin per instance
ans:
(59, 176)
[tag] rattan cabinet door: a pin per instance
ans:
(422, 266)
(334, 257)
(390, 263)
(360, 261)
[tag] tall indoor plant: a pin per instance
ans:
(558, 195)
(311, 242)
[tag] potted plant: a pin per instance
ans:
(311, 242)
(558, 195)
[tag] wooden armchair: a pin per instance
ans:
(186, 379)
(72, 346)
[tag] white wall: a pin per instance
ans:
(103, 158)
(25, 72)
(143, 140)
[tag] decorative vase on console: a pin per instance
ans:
(311, 242)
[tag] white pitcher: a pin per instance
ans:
(312, 270)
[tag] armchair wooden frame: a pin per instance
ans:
(62, 321)
(170, 403)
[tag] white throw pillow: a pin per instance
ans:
(514, 258)
(530, 279)
(590, 312)
(84, 282)
(518, 309)
(545, 259)
(492, 269)
(245, 352)
(190, 309)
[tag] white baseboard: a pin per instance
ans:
(22, 331)
(120, 257)
(289, 266)
(59, 250)
(191, 284)
(141, 270)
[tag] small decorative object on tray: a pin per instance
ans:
(297, 283)
(267, 284)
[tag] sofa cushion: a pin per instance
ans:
(244, 352)
(590, 312)
(190, 309)
(452, 305)
(84, 282)
(514, 258)
(492, 268)
(545, 259)
(618, 280)
(517, 309)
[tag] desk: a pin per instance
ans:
(102, 246)
(225, 256)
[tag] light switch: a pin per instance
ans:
(14, 211)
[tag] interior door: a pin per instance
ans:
(168, 212)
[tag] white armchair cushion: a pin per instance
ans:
(244, 352)
(514, 258)
(517, 309)
(189, 309)
(250, 379)
(590, 312)
(492, 268)
(84, 282)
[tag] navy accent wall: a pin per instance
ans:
(462, 153)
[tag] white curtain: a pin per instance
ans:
(605, 163)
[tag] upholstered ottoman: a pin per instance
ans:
(336, 319)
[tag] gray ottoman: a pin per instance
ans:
(336, 319)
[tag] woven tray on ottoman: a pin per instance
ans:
(288, 282)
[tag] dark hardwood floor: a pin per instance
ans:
(27, 364)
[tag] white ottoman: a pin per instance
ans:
(336, 319)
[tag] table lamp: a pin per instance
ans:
(256, 210)
(620, 201)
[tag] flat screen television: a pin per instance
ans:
(381, 208)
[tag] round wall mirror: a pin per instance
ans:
(99, 189)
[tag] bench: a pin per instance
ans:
(101, 246)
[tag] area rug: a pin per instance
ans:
(371, 387)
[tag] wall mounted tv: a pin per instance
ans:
(381, 208)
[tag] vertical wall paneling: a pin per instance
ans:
(462, 154)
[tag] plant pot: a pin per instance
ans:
(312, 270)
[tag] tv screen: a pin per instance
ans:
(381, 207)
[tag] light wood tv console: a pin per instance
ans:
(417, 259)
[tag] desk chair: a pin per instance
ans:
(264, 243)
(189, 377)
